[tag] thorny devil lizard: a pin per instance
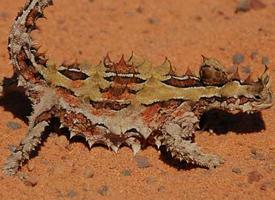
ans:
(129, 102)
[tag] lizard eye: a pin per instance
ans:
(257, 97)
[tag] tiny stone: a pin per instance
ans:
(153, 20)
(238, 58)
(142, 162)
(246, 5)
(254, 176)
(236, 170)
(30, 181)
(88, 173)
(253, 151)
(72, 194)
(103, 190)
(198, 18)
(243, 6)
(161, 188)
(256, 154)
(267, 185)
(139, 9)
(13, 125)
(126, 172)
(265, 60)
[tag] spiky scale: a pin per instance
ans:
(248, 80)
(236, 75)
(90, 143)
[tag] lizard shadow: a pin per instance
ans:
(220, 122)
(14, 100)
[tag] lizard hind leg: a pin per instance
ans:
(38, 121)
(177, 139)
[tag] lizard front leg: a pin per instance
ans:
(23, 151)
(37, 125)
(177, 138)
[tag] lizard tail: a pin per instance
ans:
(22, 50)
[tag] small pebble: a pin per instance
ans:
(161, 188)
(253, 151)
(267, 185)
(13, 125)
(243, 6)
(236, 170)
(142, 162)
(246, 5)
(103, 190)
(72, 194)
(153, 20)
(257, 155)
(126, 172)
(238, 58)
(198, 18)
(139, 9)
(88, 173)
(254, 176)
(30, 181)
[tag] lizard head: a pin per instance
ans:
(261, 92)
(235, 95)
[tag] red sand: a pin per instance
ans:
(182, 31)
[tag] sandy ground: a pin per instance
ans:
(181, 30)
